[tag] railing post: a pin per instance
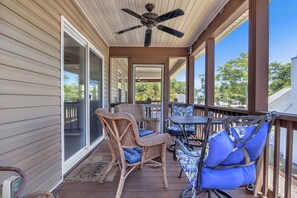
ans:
(276, 159)
(289, 156)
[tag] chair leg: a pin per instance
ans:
(121, 183)
(163, 159)
(226, 195)
(180, 173)
(111, 164)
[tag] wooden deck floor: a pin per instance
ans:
(145, 182)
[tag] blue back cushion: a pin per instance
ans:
(182, 111)
(220, 145)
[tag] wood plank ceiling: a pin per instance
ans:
(107, 18)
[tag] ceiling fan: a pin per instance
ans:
(151, 19)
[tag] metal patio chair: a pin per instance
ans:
(229, 157)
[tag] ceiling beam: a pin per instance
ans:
(221, 17)
(148, 52)
(176, 66)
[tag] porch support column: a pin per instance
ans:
(258, 65)
(258, 68)
(190, 79)
(130, 80)
(209, 72)
(166, 89)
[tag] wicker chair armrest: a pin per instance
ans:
(155, 140)
(184, 148)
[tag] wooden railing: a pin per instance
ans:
(277, 170)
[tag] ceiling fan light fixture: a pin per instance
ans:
(151, 19)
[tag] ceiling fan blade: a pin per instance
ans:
(128, 29)
(148, 37)
(169, 15)
(135, 14)
(170, 31)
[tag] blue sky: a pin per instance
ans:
(282, 38)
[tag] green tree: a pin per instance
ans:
(232, 80)
(279, 76)
(176, 87)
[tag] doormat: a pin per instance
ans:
(92, 168)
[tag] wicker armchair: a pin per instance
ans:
(146, 125)
(22, 184)
(128, 150)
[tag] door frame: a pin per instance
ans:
(67, 27)
(162, 86)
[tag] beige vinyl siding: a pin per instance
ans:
(30, 85)
(118, 64)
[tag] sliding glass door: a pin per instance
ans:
(74, 96)
(82, 94)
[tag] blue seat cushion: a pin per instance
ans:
(144, 132)
(176, 130)
(227, 179)
(133, 155)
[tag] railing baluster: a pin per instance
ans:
(289, 154)
(276, 159)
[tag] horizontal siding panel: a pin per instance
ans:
(38, 157)
(19, 141)
(50, 160)
(14, 60)
(46, 6)
(38, 12)
(16, 47)
(49, 182)
(30, 16)
(16, 20)
(47, 178)
(25, 38)
(10, 73)
(17, 128)
(13, 115)
(19, 154)
(17, 101)
(12, 87)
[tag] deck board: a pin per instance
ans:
(145, 182)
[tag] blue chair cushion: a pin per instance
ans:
(227, 179)
(175, 130)
(145, 132)
(181, 111)
(133, 155)
(220, 145)
(189, 164)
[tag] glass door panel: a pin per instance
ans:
(148, 89)
(95, 95)
(74, 96)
